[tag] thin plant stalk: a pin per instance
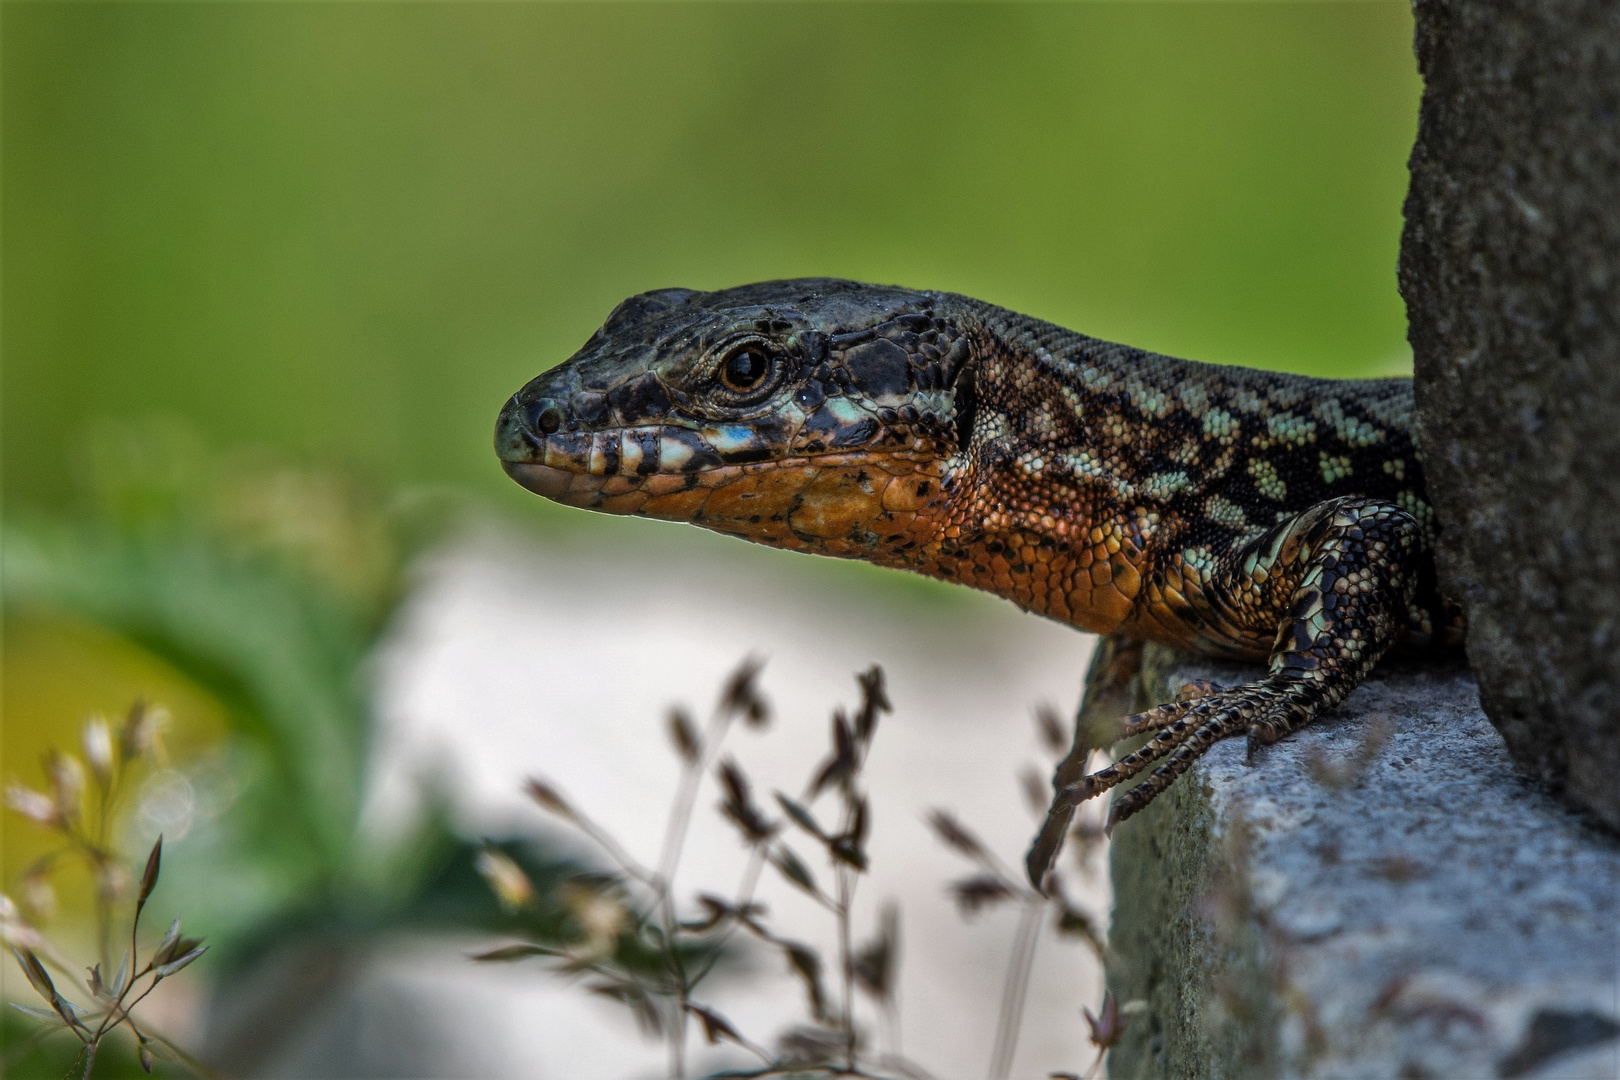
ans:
(1016, 988)
(680, 819)
(846, 958)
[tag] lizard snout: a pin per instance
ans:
(529, 417)
(521, 434)
(545, 444)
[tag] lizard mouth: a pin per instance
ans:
(542, 479)
(801, 501)
(653, 469)
(582, 468)
(730, 478)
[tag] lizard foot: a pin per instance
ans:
(1268, 710)
(1192, 722)
(1337, 583)
(1186, 729)
(1345, 575)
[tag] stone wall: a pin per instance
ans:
(1510, 266)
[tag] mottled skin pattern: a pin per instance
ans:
(1239, 513)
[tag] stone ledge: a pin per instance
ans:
(1380, 895)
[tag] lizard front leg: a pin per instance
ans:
(1337, 583)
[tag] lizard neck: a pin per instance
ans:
(1028, 509)
(1092, 467)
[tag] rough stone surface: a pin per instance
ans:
(1380, 895)
(1510, 266)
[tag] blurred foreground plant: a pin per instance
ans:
(994, 882)
(632, 938)
(86, 832)
(1106, 1031)
(636, 947)
(266, 585)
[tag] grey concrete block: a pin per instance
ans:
(1379, 895)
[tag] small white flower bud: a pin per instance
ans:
(33, 805)
(511, 884)
(98, 750)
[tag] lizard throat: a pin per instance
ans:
(895, 509)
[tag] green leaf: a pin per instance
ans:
(279, 653)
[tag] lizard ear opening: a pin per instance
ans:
(966, 402)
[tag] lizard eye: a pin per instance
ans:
(745, 367)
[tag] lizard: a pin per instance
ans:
(1236, 513)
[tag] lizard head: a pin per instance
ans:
(812, 413)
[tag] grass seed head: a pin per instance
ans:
(548, 797)
(15, 931)
(738, 805)
(1049, 727)
(805, 962)
(741, 696)
(975, 894)
(684, 735)
(142, 733)
(955, 836)
(599, 911)
(793, 868)
(149, 876)
(67, 783)
(511, 885)
(874, 702)
(38, 895)
(715, 1026)
(878, 961)
(1109, 1027)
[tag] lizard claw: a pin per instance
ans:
(1048, 842)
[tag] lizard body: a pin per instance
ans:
(1239, 513)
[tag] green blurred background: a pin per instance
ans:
(350, 231)
(264, 267)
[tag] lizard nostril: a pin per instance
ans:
(545, 416)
